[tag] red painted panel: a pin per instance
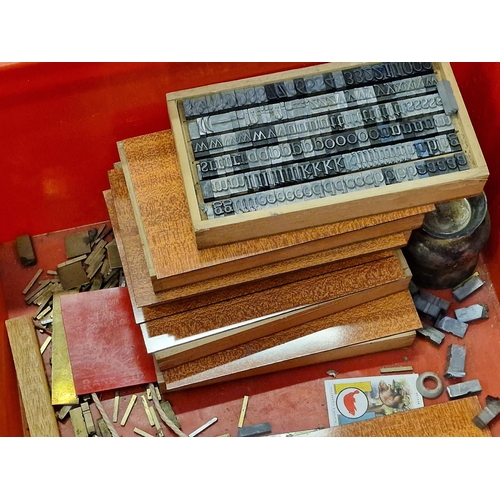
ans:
(105, 345)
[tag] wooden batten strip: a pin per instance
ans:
(31, 377)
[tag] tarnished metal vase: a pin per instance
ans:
(445, 250)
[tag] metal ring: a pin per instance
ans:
(430, 393)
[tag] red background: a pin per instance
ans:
(59, 124)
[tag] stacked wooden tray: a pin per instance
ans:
(245, 306)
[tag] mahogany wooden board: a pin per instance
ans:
(161, 310)
(316, 297)
(436, 189)
(309, 343)
(450, 419)
(105, 345)
(135, 268)
(31, 377)
(156, 190)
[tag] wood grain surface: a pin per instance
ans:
(301, 345)
(31, 377)
(135, 267)
(450, 419)
(190, 335)
(156, 190)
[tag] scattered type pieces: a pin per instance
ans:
(243, 411)
(172, 426)
(489, 412)
(158, 428)
(77, 244)
(45, 345)
(396, 369)
(103, 428)
(64, 412)
(104, 415)
(147, 411)
(169, 412)
(452, 325)
(425, 391)
(432, 334)
(455, 367)
(332, 373)
(472, 313)
(142, 433)
(116, 405)
(430, 306)
(255, 430)
(87, 417)
(128, 410)
(72, 274)
(78, 422)
(203, 427)
(113, 255)
(469, 388)
(467, 287)
(32, 281)
(25, 251)
(413, 289)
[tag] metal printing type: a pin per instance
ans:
(446, 93)
(490, 411)
(434, 335)
(472, 313)
(468, 388)
(455, 367)
(254, 430)
(429, 393)
(467, 288)
(452, 325)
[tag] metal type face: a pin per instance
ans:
(469, 388)
(467, 288)
(434, 335)
(472, 313)
(491, 410)
(429, 305)
(455, 367)
(254, 430)
(452, 325)
(335, 133)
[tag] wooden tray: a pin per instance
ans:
(211, 290)
(344, 334)
(154, 186)
(226, 229)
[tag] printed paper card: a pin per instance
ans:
(354, 399)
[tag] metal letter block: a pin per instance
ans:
(452, 325)
(25, 250)
(435, 336)
(491, 410)
(455, 367)
(467, 287)
(254, 430)
(472, 313)
(469, 388)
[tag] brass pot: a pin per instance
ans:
(445, 250)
